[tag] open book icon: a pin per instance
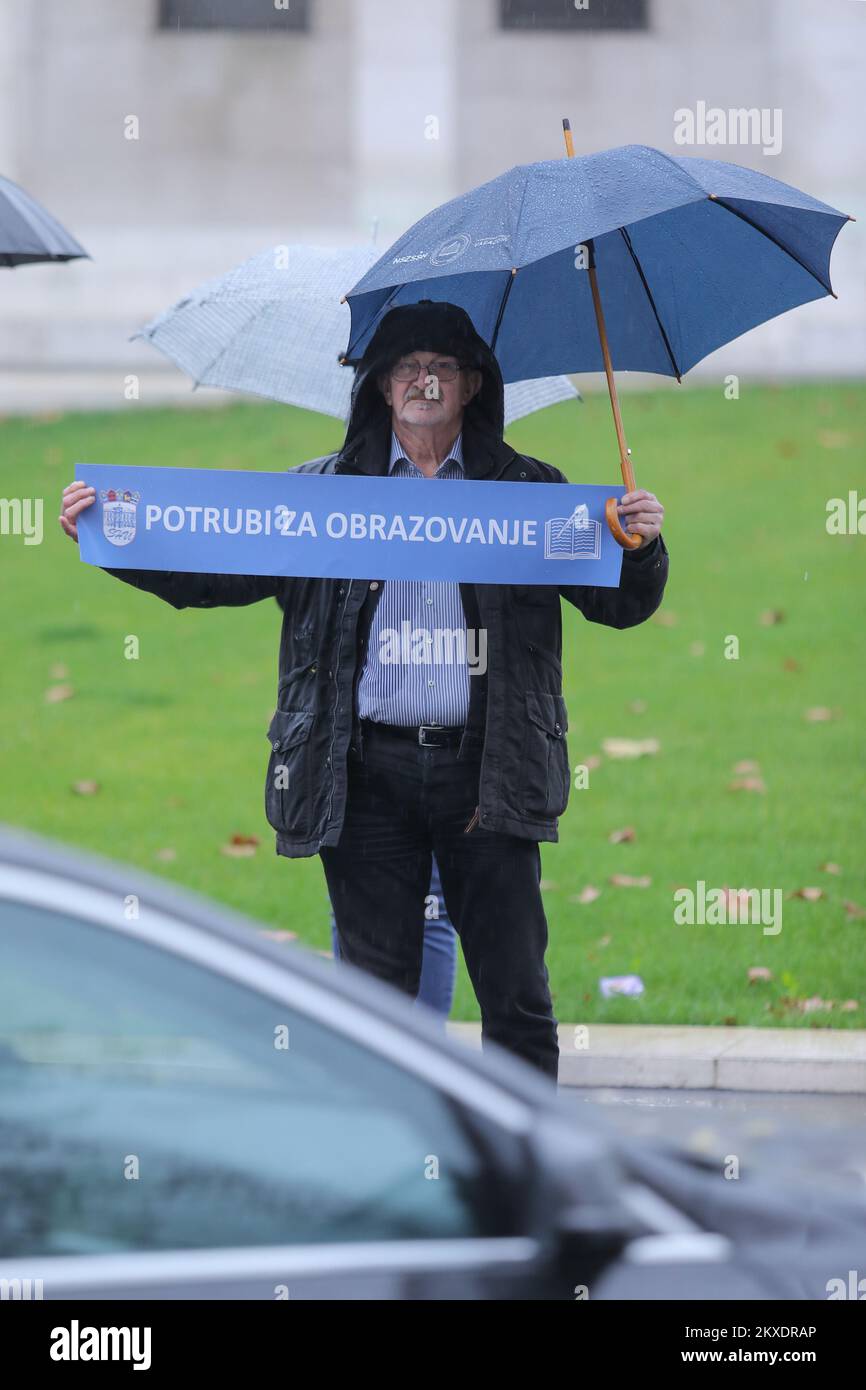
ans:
(572, 537)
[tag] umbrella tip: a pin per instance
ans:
(851, 219)
(342, 299)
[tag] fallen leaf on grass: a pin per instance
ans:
(849, 1006)
(55, 693)
(814, 1004)
(604, 941)
(697, 649)
(735, 898)
(240, 846)
(811, 895)
(630, 747)
(747, 784)
(630, 881)
(819, 714)
(621, 837)
(58, 671)
(747, 765)
(790, 664)
(853, 909)
(833, 439)
(586, 895)
(759, 972)
(771, 617)
(86, 788)
(665, 618)
(166, 856)
(831, 868)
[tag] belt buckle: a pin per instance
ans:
(424, 728)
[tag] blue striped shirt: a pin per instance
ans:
(416, 670)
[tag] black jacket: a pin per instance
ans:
(517, 716)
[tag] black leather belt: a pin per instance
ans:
(425, 735)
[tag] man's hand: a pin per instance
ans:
(641, 511)
(76, 497)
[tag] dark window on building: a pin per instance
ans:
(233, 14)
(564, 14)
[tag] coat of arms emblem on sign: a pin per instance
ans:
(118, 515)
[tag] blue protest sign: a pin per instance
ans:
(330, 526)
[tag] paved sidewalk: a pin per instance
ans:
(728, 1059)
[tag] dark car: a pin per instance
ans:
(190, 1109)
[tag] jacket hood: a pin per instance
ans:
(428, 326)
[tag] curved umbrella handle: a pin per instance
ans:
(629, 540)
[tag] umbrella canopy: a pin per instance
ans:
(629, 259)
(29, 233)
(275, 326)
(689, 253)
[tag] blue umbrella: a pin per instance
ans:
(631, 259)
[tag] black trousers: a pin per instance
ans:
(404, 803)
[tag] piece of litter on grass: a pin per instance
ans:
(629, 985)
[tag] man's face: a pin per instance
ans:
(434, 395)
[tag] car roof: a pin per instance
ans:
(28, 851)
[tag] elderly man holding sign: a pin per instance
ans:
(425, 716)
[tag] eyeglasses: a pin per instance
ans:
(407, 369)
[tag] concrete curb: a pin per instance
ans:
(828, 1060)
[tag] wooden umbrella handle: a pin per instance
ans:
(627, 539)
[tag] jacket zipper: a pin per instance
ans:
(337, 666)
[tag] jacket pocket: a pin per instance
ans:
(288, 788)
(546, 774)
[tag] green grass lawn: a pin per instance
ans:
(176, 739)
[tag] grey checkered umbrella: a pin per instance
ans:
(275, 326)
